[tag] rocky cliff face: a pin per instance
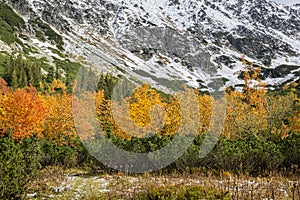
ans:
(196, 41)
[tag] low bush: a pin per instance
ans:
(290, 148)
(252, 155)
(249, 155)
(19, 163)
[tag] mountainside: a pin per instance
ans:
(163, 42)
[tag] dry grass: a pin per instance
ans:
(55, 183)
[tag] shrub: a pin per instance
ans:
(7, 14)
(71, 153)
(290, 148)
(9, 21)
(6, 32)
(18, 165)
(249, 155)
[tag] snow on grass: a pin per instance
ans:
(120, 185)
(104, 52)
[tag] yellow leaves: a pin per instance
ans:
(295, 123)
(173, 118)
(26, 112)
(246, 110)
(59, 119)
(254, 111)
(144, 113)
(294, 120)
(58, 86)
(205, 108)
(245, 113)
(141, 103)
(139, 115)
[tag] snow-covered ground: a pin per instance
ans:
(105, 52)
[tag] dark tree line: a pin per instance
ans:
(21, 73)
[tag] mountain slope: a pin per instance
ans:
(169, 41)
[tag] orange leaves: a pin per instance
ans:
(3, 86)
(23, 113)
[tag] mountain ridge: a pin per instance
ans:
(195, 42)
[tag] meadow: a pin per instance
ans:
(42, 155)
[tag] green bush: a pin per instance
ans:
(249, 155)
(252, 155)
(9, 23)
(290, 148)
(6, 32)
(71, 69)
(8, 15)
(69, 154)
(18, 165)
(49, 33)
(40, 35)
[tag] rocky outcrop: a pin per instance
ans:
(202, 36)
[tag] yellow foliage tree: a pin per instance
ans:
(246, 109)
(205, 108)
(139, 115)
(59, 119)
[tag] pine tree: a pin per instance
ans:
(29, 73)
(14, 79)
(37, 74)
(23, 80)
(50, 75)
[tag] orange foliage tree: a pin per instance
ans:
(22, 113)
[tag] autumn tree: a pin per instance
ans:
(205, 107)
(246, 111)
(141, 114)
(23, 113)
(59, 118)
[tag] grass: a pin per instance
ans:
(40, 35)
(58, 52)
(9, 22)
(7, 14)
(49, 33)
(202, 184)
(182, 192)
